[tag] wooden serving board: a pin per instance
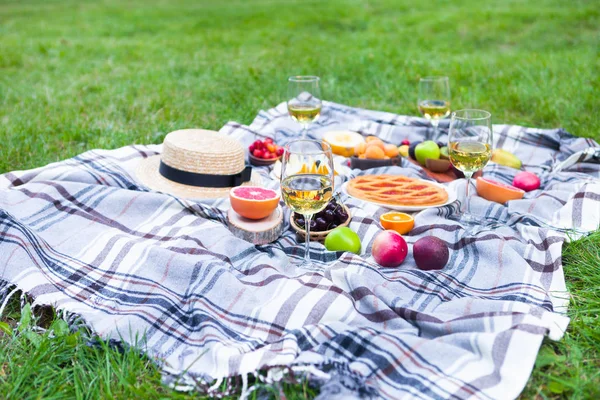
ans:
(257, 232)
(441, 177)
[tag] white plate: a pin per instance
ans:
(451, 199)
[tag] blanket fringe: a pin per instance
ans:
(5, 296)
(321, 375)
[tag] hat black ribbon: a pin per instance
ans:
(204, 180)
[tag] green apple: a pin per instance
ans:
(343, 238)
(444, 153)
(425, 150)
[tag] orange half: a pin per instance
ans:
(397, 221)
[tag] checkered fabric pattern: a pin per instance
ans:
(166, 274)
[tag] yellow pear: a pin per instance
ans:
(506, 158)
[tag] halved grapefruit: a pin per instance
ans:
(496, 191)
(253, 202)
(343, 142)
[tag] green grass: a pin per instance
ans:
(80, 75)
(60, 364)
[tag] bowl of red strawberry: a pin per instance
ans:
(264, 152)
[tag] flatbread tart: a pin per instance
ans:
(397, 190)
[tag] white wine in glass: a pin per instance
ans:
(470, 157)
(307, 193)
(304, 113)
(470, 139)
(304, 100)
(434, 100)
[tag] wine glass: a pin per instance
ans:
(434, 100)
(304, 104)
(307, 193)
(470, 148)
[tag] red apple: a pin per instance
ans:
(526, 181)
(389, 249)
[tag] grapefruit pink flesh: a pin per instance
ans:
(496, 191)
(253, 202)
(254, 193)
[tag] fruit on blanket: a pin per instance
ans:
(397, 221)
(425, 150)
(374, 152)
(403, 150)
(253, 202)
(343, 143)
(411, 149)
(430, 253)
(360, 149)
(506, 158)
(527, 181)
(375, 141)
(390, 150)
(265, 149)
(375, 149)
(444, 155)
(437, 165)
(333, 215)
(496, 191)
(405, 142)
(343, 238)
(389, 249)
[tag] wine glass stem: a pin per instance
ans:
(468, 175)
(435, 122)
(304, 130)
(307, 219)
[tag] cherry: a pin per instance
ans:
(258, 153)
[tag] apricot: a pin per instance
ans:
(360, 148)
(374, 152)
(390, 150)
(376, 142)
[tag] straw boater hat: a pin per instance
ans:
(197, 164)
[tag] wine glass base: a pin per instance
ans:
(302, 264)
(471, 223)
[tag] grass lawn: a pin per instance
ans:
(78, 75)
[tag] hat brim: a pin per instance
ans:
(148, 175)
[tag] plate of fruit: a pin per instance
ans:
(374, 153)
(264, 152)
(334, 215)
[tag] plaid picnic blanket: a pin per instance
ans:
(165, 274)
